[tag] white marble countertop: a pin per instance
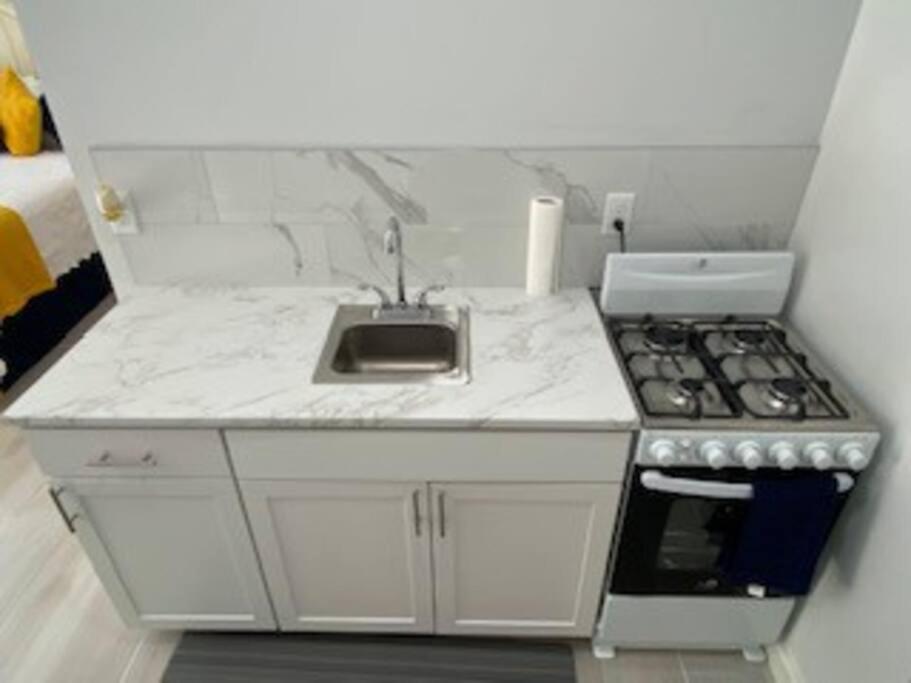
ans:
(244, 357)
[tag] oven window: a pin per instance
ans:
(694, 534)
(676, 543)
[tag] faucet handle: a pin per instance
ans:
(422, 296)
(385, 301)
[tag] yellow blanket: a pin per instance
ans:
(22, 270)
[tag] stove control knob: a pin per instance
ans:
(785, 455)
(749, 454)
(664, 452)
(715, 453)
(819, 454)
(853, 455)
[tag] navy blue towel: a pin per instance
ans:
(784, 532)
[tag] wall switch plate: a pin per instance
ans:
(618, 205)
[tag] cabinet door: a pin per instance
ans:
(344, 556)
(520, 559)
(172, 553)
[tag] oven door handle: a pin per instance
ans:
(656, 481)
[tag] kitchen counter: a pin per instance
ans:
(244, 358)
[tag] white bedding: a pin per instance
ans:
(42, 190)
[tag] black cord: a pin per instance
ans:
(620, 227)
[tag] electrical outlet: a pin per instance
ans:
(618, 205)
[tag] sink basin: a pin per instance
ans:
(366, 345)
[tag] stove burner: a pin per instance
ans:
(788, 389)
(664, 338)
(749, 339)
(786, 396)
(684, 392)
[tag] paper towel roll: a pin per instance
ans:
(545, 231)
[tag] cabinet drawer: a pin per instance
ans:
(129, 453)
(431, 455)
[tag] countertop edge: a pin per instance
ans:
(347, 424)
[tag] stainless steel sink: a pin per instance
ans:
(369, 344)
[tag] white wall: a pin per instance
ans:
(434, 73)
(503, 73)
(854, 302)
(12, 46)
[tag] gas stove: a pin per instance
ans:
(728, 396)
(746, 385)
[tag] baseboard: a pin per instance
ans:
(783, 666)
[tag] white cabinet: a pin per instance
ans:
(344, 556)
(172, 553)
(520, 559)
(508, 559)
(400, 531)
(130, 452)
(428, 455)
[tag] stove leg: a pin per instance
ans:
(603, 651)
(754, 654)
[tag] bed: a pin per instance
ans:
(42, 190)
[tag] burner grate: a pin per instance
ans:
(665, 338)
(789, 398)
(687, 398)
(726, 368)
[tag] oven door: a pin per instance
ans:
(677, 524)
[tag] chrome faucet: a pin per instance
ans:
(392, 241)
(392, 244)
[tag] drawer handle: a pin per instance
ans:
(107, 460)
(55, 496)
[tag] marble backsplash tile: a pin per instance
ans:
(316, 217)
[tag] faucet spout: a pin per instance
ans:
(393, 243)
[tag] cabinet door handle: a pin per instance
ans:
(416, 511)
(441, 508)
(55, 496)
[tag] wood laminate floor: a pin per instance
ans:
(56, 621)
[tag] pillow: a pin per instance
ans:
(20, 115)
